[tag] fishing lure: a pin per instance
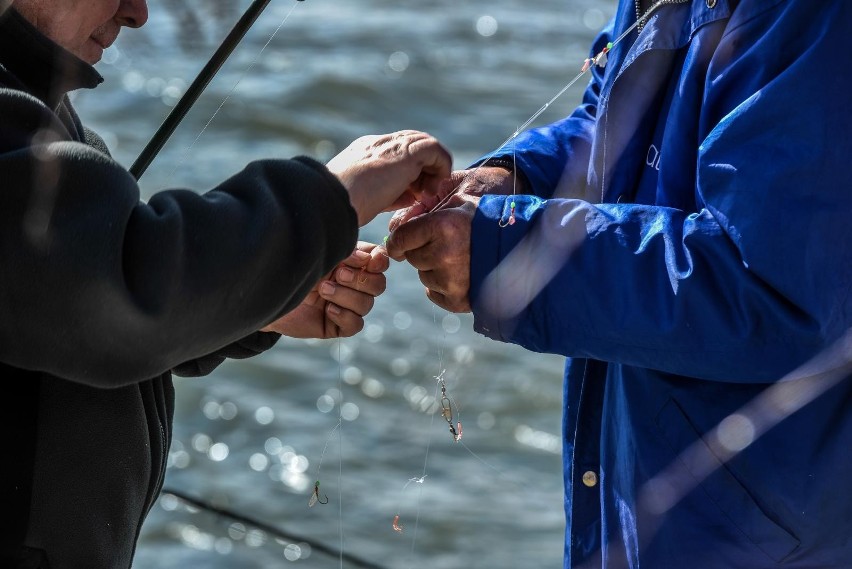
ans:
(599, 60)
(398, 527)
(315, 497)
(511, 219)
(447, 410)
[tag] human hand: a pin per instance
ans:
(389, 171)
(336, 306)
(437, 244)
(472, 182)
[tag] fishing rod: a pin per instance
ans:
(197, 87)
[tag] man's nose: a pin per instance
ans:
(132, 13)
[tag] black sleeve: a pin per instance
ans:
(247, 347)
(100, 287)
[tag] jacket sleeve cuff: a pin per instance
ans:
(249, 346)
(492, 239)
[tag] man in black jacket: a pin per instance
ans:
(103, 296)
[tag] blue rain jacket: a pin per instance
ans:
(687, 244)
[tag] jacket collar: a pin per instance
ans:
(45, 69)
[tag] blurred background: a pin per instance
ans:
(357, 414)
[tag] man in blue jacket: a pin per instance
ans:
(685, 238)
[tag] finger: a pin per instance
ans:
(362, 280)
(447, 302)
(365, 246)
(437, 298)
(443, 283)
(431, 280)
(431, 164)
(446, 197)
(433, 156)
(368, 256)
(452, 291)
(405, 200)
(342, 323)
(403, 215)
(428, 257)
(412, 235)
(379, 261)
(359, 257)
(357, 301)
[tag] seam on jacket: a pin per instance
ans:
(764, 9)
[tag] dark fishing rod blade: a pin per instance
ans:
(197, 87)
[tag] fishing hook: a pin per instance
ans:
(315, 496)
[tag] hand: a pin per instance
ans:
(336, 306)
(437, 244)
(389, 171)
(486, 180)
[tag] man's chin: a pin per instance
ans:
(91, 53)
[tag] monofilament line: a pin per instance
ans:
(545, 106)
(234, 88)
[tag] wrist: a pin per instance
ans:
(505, 162)
(520, 184)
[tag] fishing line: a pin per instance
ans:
(139, 167)
(271, 530)
(201, 81)
(456, 431)
(159, 140)
(741, 428)
(315, 496)
(598, 60)
(242, 76)
(340, 447)
(396, 520)
(444, 401)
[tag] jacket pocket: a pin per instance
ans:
(720, 486)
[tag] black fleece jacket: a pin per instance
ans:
(103, 297)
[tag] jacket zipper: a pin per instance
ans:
(641, 17)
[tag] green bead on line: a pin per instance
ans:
(511, 220)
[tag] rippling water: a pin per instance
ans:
(253, 437)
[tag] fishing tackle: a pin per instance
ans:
(447, 410)
(511, 218)
(398, 527)
(599, 60)
(315, 497)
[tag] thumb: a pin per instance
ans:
(412, 235)
(402, 216)
(428, 202)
